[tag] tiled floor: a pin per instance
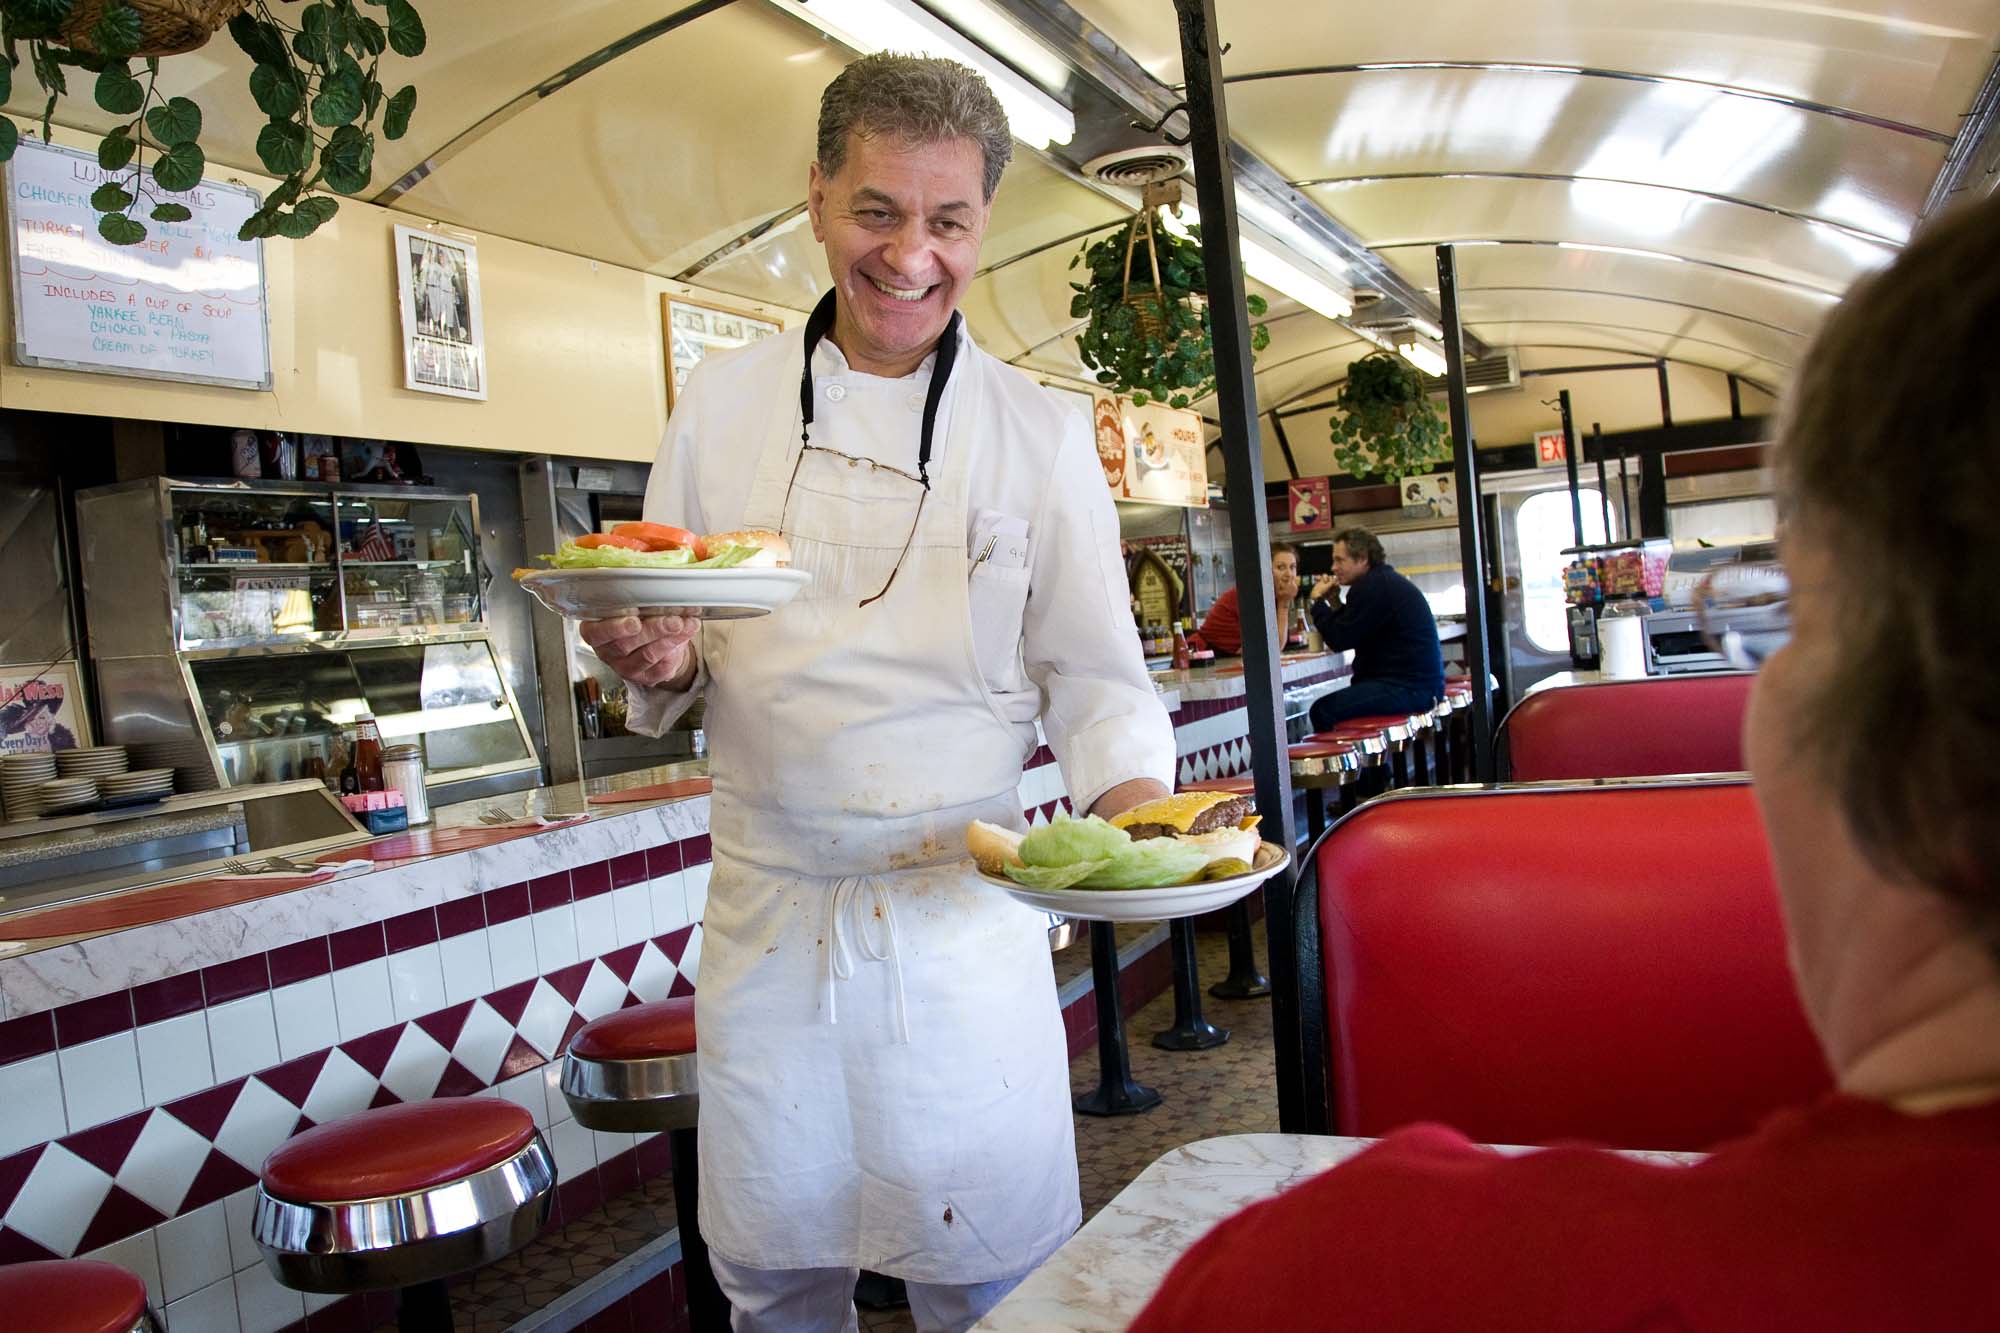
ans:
(1230, 1089)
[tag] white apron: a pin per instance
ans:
(884, 1078)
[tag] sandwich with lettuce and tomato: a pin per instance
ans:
(1180, 839)
(663, 546)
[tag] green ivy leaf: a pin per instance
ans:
(6, 80)
(117, 32)
(369, 36)
(114, 151)
(319, 207)
(121, 230)
(29, 19)
(263, 42)
(284, 146)
(171, 213)
(118, 92)
(311, 49)
(347, 160)
(396, 120)
(276, 89)
(180, 168)
(406, 30)
(258, 225)
(110, 197)
(10, 137)
(296, 225)
(176, 123)
(340, 97)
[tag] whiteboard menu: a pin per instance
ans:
(187, 303)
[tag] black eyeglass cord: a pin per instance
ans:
(820, 322)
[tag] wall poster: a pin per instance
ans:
(693, 329)
(41, 709)
(444, 328)
(1158, 451)
(1311, 503)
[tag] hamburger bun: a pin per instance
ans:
(774, 552)
(993, 848)
(1184, 813)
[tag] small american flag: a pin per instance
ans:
(374, 544)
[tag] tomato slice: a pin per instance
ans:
(590, 541)
(656, 536)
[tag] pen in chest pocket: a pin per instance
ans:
(987, 553)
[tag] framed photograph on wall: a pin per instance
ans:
(693, 329)
(444, 328)
(42, 709)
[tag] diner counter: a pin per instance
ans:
(1224, 679)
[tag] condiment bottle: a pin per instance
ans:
(1180, 646)
(367, 752)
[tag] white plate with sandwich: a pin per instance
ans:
(1176, 857)
(646, 569)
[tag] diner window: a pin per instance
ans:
(1543, 529)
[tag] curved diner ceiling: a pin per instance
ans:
(1693, 180)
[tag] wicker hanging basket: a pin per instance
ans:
(166, 27)
(1149, 308)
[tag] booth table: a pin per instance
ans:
(1103, 1275)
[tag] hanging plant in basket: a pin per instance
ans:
(314, 73)
(1385, 424)
(1147, 301)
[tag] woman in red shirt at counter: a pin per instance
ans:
(1871, 738)
(1222, 628)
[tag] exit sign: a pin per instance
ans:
(1550, 447)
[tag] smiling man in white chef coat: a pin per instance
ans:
(883, 1075)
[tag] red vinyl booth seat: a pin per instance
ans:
(1630, 728)
(1605, 964)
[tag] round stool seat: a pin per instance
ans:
(73, 1296)
(403, 1194)
(1330, 763)
(634, 1071)
(1241, 785)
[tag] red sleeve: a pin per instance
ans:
(1222, 629)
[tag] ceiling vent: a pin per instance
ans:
(1502, 370)
(1138, 166)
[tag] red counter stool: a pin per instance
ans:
(402, 1197)
(1441, 738)
(634, 1072)
(1244, 981)
(74, 1296)
(1322, 766)
(1387, 733)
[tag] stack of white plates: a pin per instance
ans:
(65, 794)
(20, 775)
(145, 782)
(95, 761)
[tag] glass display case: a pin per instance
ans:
(240, 627)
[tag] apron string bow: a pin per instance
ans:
(848, 914)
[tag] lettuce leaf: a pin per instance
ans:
(573, 556)
(1065, 841)
(1091, 854)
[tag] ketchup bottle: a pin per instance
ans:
(1181, 660)
(367, 752)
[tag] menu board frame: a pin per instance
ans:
(86, 223)
(57, 687)
(692, 329)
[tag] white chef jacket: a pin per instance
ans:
(1041, 502)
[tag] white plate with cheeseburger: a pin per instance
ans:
(1195, 852)
(652, 569)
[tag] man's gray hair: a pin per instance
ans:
(914, 100)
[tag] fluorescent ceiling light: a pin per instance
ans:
(1271, 269)
(868, 26)
(1426, 354)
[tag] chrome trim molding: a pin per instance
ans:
(1561, 177)
(1627, 251)
(1591, 72)
(403, 1239)
(633, 1096)
(1977, 142)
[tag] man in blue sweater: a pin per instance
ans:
(1398, 667)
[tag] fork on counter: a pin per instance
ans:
(498, 816)
(270, 865)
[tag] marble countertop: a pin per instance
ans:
(1225, 681)
(28, 845)
(1103, 1275)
